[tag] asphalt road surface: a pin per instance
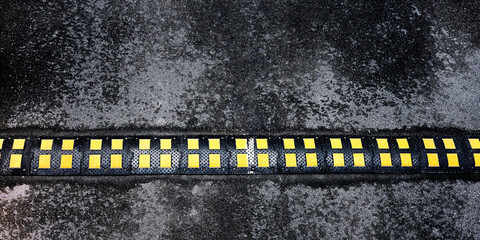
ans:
(241, 67)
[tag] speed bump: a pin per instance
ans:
(14, 155)
(252, 155)
(155, 155)
(446, 154)
(348, 154)
(242, 154)
(106, 156)
(300, 154)
(204, 155)
(395, 155)
(55, 156)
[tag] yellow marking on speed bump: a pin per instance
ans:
(144, 161)
(214, 160)
(165, 144)
(336, 143)
(289, 143)
(144, 144)
(406, 159)
(290, 160)
(382, 143)
(44, 161)
(263, 160)
(449, 143)
(453, 160)
(262, 143)
(385, 160)
(474, 143)
(476, 157)
(16, 161)
(66, 161)
(402, 143)
(311, 159)
(117, 144)
(358, 160)
(1, 143)
(96, 144)
(46, 144)
(193, 160)
(242, 160)
(67, 144)
(356, 143)
(116, 161)
(433, 160)
(192, 143)
(338, 160)
(94, 161)
(214, 143)
(241, 143)
(165, 161)
(429, 143)
(18, 144)
(309, 143)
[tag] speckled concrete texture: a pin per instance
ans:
(216, 208)
(240, 67)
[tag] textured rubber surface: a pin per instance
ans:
(238, 155)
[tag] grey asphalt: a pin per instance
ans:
(240, 67)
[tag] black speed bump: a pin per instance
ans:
(252, 155)
(105, 156)
(154, 155)
(56, 156)
(444, 154)
(348, 154)
(395, 155)
(204, 155)
(14, 155)
(300, 154)
(219, 154)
